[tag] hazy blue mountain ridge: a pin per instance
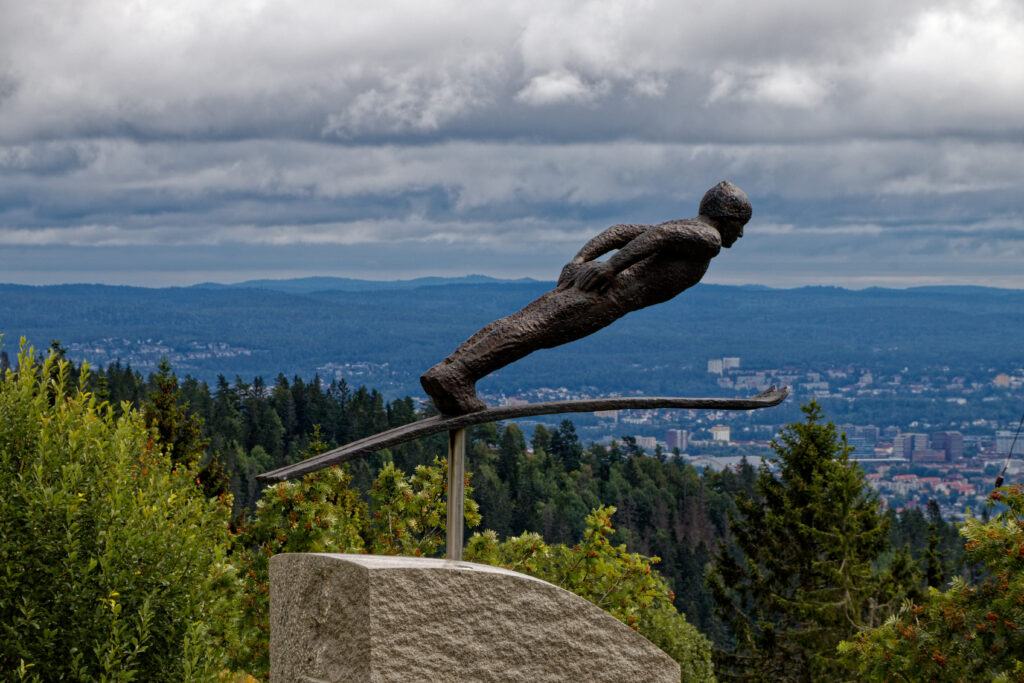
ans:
(656, 350)
(308, 285)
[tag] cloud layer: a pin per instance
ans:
(508, 133)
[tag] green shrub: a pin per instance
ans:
(318, 514)
(112, 563)
(321, 514)
(619, 582)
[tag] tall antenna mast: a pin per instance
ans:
(999, 479)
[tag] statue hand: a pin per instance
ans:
(568, 276)
(594, 276)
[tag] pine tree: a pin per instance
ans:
(802, 580)
(541, 441)
(513, 446)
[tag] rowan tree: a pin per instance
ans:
(322, 513)
(319, 514)
(970, 632)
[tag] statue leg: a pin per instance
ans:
(555, 318)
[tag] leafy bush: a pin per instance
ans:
(112, 563)
(321, 513)
(619, 582)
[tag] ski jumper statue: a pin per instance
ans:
(652, 265)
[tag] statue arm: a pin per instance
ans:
(666, 237)
(614, 237)
(662, 238)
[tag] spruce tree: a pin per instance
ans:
(801, 578)
(179, 431)
(566, 447)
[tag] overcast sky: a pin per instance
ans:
(881, 143)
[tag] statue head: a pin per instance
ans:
(725, 200)
(729, 208)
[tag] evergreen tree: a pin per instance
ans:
(541, 441)
(284, 406)
(802, 579)
(512, 449)
(630, 446)
(262, 425)
(936, 569)
(178, 431)
(565, 445)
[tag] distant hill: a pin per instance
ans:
(308, 285)
(387, 334)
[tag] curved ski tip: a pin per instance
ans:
(773, 394)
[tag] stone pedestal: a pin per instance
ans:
(372, 618)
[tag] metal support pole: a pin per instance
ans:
(456, 491)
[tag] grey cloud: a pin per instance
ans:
(474, 175)
(500, 131)
(397, 68)
(887, 259)
(44, 158)
(279, 192)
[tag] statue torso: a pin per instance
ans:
(676, 267)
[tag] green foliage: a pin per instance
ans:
(970, 632)
(802, 578)
(410, 515)
(112, 562)
(246, 428)
(808, 563)
(565, 445)
(619, 582)
(665, 508)
(179, 433)
(934, 541)
(321, 513)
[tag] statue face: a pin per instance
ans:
(731, 230)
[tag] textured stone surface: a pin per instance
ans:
(371, 618)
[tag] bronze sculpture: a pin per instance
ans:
(653, 264)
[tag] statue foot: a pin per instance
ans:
(451, 391)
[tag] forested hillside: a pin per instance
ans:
(546, 482)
